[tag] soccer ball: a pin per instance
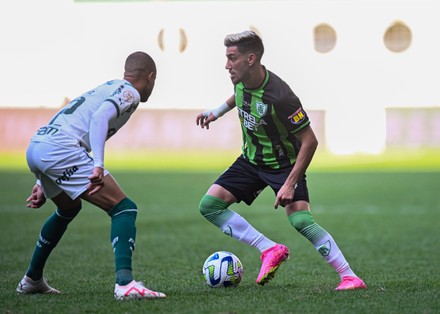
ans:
(222, 269)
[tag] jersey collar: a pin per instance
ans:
(265, 80)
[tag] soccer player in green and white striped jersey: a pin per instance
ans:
(278, 146)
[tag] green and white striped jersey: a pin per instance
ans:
(270, 116)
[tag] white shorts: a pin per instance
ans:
(60, 169)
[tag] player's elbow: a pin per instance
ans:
(314, 143)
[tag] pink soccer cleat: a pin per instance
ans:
(136, 290)
(351, 283)
(271, 261)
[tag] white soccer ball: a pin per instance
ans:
(222, 269)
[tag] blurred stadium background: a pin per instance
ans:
(365, 70)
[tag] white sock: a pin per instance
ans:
(328, 248)
(238, 228)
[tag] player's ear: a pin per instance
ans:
(251, 59)
(151, 76)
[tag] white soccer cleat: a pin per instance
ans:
(29, 286)
(136, 290)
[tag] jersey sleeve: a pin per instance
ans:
(110, 116)
(125, 99)
(292, 112)
(99, 129)
(298, 120)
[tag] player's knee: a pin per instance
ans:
(69, 213)
(301, 219)
(126, 206)
(210, 204)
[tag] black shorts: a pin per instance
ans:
(246, 181)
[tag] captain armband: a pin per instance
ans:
(217, 112)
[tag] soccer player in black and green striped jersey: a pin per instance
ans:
(278, 146)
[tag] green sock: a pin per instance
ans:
(122, 236)
(323, 242)
(215, 210)
(51, 233)
(304, 223)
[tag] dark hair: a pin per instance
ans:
(247, 41)
(140, 61)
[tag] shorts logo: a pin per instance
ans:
(261, 108)
(66, 175)
(258, 193)
(298, 117)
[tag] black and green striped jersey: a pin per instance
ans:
(270, 116)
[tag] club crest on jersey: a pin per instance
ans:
(128, 96)
(298, 116)
(261, 108)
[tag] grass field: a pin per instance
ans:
(386, 223)
(202, 161)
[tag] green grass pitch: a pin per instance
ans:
(386, 222)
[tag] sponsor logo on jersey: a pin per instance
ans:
(47, 130)
(261, 108)
(118, 91)
(66, 175)
(298, 117)
(249, 121)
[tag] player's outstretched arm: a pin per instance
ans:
(205, 118)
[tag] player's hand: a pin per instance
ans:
(37, 198)
(204, 120)
(284, 196)
(96, 180)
